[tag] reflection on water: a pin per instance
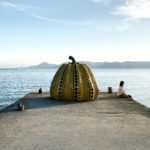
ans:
(15, 83)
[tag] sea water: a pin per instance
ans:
(15, 83)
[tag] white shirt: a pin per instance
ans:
(121, 91)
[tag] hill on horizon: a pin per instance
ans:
(97, 65)
(44, 65)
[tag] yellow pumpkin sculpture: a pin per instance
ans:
(74, 81)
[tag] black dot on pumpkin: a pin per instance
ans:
(76, 76)
(76, 81)
(76, 93)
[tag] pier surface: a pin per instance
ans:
(109, 123)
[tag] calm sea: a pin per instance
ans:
(15, 83)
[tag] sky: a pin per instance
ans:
(35, 31)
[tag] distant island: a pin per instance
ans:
(95, 65)
(100, 65)
(44, 65)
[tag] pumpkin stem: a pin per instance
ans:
(73, 60)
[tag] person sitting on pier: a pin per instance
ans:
(121, 91)
(21, 107)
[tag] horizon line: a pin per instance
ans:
(13, 66)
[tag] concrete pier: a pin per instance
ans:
(109, 123)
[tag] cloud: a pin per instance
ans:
(84, 23)
(28, 11)
(60, 21)
(118, 26)
(134, 9)
(7, 5)
(98, 1)
(101, 1)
